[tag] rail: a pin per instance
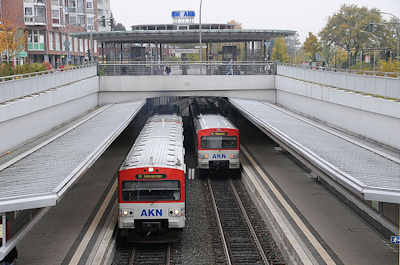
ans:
(27, 75)
(345, 70)
(372, 83)
(19, 86)
(185, 68)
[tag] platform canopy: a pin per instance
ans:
(185, 36)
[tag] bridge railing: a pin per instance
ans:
(185, 68)
(372, 83)
(18, 86)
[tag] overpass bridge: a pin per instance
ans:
(317, 116)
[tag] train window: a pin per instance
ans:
(218, 142)
(166, 190)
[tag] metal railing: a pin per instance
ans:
(371, 83)
(185, 68)
(346, 70)
(18, 86)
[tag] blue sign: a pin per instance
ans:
(151, 212)
(183, 14)
(395, 239)
(218, 156)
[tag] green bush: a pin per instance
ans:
(6, 69)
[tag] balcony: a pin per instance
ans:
(35, 20)
(36, 2)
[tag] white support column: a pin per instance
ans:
(4, 229)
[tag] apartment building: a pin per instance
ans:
(49, 24)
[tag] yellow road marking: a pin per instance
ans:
(319, 248)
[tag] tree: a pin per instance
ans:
(119, 27)
(12, 39)
(312, 46)
(348, 29)
(236, 25)
(279, 52)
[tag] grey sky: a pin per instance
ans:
(300, 15)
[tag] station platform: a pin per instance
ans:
(327, 230)
(39, 176)
(368, 172)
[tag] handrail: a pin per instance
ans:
(21, 76)
(343, 70)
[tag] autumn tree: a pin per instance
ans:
(12, 39)
(279, 51)
(236, 25)
(348, 29)
(312, 46)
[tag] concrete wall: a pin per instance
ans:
(27, 86)
(371, 117)
(382, 86)
(29, 117)
(115, 89)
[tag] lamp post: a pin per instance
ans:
(201, 48)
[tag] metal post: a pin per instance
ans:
(252, 50)
(121, 53)
(102, 51)
(264, 49)
(4, 229)
(201, 50)
(161, 58)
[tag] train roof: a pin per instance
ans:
(159, 144)
(211, 121)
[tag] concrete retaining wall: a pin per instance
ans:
(383, 86)
(371, 117)
(22, 87)
(29, 117)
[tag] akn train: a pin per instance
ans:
(151, 181)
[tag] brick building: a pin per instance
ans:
(48, 24)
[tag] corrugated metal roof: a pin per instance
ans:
(212, 121)
(376, 177)
(159, 144)
(41, 178)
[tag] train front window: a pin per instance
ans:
(218, 142)
(166, 190)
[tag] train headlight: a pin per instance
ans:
(123, 212)
(176, 212)
(204, 156)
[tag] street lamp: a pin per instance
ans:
(201, 48)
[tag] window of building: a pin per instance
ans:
(28, 11)
(57, 41)
(51, 44)
(89, 4)
(72, 20)
(55, 16)
(81, 45)
(75, 44)
(82, 20)
(63, 42)
(36, 40)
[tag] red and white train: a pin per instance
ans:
(151, 181)
(217, 143)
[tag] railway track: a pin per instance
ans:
(242, 237)
(149, 254)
